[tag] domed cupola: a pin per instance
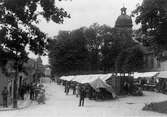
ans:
(123, 21)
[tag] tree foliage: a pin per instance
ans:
(152, 15)
(130, 60)
(68, 53)
(93, 49)
(94, 41)
(18, 30)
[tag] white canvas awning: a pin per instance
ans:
(86, 78)
(80, 78)
(105, 77)
(145, 74)
(96, 81)
(62, 77)
(67, 78)
(162, 74)
(90, 78)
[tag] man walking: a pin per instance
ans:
(32, 88)
(5, 97)
(82, 96)
(77, 90)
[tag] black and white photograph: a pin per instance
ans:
(83, 58)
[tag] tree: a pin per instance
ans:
(98, 47)
(130, 60)
(57, 49)
(119, 63)
(121, 41)
(68, 53)
(94, 41)
(18, 19)
(108, 49)
(134, 61)
(152, 15)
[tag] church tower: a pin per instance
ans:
(124, 21)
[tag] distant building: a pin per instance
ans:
(32, 68)
(124, 21)
(7, 77)
(124, 24)
(35, 69)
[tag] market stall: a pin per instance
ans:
(162, 82)
(146, 80)
(96, 81)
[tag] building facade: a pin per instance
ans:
(124, 24)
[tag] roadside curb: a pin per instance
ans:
(19, 108)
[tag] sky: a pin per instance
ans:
(85, 13)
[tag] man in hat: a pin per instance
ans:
(82, 96)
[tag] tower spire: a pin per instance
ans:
(123, 9)
(123, 3)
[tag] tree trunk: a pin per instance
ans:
(15, 89)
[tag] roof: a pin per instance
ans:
(162, 74)
(86, 78)
(123, 20)
(96, 81)
(145, 74)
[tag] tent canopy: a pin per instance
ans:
(67, 78)
(86, 78)
(162, 74)
(145, 74)
(96, 81)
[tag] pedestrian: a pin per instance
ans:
(5, 97)
(126, 88)
(82, 96)
(90, 93)
(67, 89)
(77, 90)
(22, 92)
(74, 89)
(32, 88)
(36, 92)
(41, 97)
(65, 86)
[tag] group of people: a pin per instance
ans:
(78, 90)
(34, 91)
(23, 90)
(84, 91)
(31, 89)
(37, 92)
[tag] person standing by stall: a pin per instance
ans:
(32, 91)
(77, 90)
(74, 88)
(5, 97)
(82, 96)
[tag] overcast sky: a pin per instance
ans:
(87, 12)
